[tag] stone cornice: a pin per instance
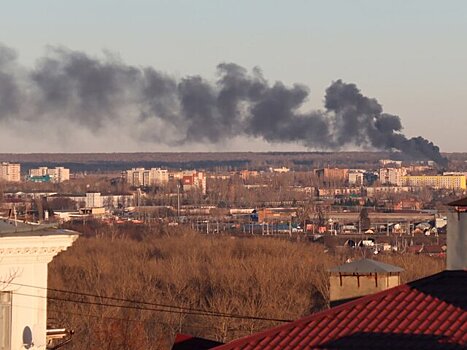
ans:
(32, 248)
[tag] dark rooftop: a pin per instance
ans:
(366, 266)
(459, 203)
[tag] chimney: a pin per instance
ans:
(457, 235)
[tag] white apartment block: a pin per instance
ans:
(146, 177)
(10, 172)
(392, 176)
(57, 174)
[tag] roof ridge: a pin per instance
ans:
(328, 312)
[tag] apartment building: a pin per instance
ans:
(146, 177)
(332, 175)
(392, 176)
(452, 182)
(192, 179)
(57, 174)
(356, 177)
(10, 172)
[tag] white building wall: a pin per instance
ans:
(94, 200)
(23, 265)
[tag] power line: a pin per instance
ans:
(115, 298)
(134, 307)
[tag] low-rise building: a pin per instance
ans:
(360, 278)
(390, 162)
(57, 174)
(280, 170)
(375, 190)
(341, 191)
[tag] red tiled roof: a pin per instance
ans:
(189, 342)
(429, 313)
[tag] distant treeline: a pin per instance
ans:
(111, 162)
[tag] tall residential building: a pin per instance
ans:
(94, 200)
(392, 176)
(10, 172)
(452, 182)
(332, 175)
(143, 177)
(57, 174)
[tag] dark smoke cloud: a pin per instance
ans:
(92, 93)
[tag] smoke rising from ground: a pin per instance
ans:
(70, 88)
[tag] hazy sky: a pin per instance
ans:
(409, 55)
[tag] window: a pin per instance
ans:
(5, 320)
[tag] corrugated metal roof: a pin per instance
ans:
(426, 314)
(366, 266)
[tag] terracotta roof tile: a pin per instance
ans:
(426, 314)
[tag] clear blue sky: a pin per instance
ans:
(410, 55)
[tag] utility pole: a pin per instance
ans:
(178, 201)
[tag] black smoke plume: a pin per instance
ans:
(93, 93)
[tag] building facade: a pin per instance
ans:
(192, 179)
(10, 172)
(146, 177)
(392, 176)
(356, 177)
(452, 182)
(94, 200)
(332, 175)
(23, 288)
(57, 174)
